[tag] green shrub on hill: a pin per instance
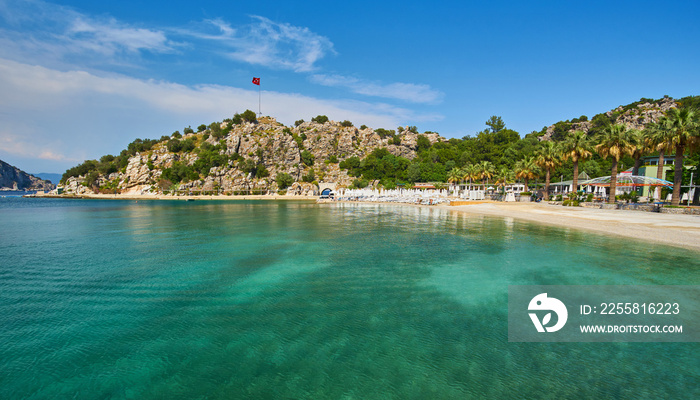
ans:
(320, 119)
(307, 158)
(284, 180)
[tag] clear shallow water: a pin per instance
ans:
(118, 299)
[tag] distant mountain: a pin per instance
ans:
(16, 179)
(54, 178)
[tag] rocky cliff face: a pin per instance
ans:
(16, 179)
(266, 143)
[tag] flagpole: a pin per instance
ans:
(256, 81)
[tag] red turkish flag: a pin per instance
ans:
(256, 81)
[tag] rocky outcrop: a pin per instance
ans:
(265, 143)
(15, 179)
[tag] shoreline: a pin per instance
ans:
(677, 230)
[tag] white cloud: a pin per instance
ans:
(76, 115)
(110, 37)
(411, 92)
(268, 43)
(41, 32)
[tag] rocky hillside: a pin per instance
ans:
(232, 157)
(636, 116)
(15, 179)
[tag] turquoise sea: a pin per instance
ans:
(292, 300)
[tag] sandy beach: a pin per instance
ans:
(679, 230)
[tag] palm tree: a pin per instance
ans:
(614, 142)
(640, 145)
(486, 171)
(577, 147)
(525, 169)
(547, 157)
(503, 177)
(657, 140)
(683, 126)
(471, 172)
(455, 176)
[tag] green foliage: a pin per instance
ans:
(691, 102)
(310, 177)
(396, 140)
(359, 184)
(350, 164)
(201, 128)
(298, 122)
(363, 127)
(249, 116)
(261, 171)
(320, 119)
(307, 158)
(109, 164)
(422, 143)
(188, 130)
(346, 124)
(180, 172)
(247, 165)
(561, 131)
(299, 140)
(495, 124)
(91, 178)
(79, 170)
(333, 159)
(379, 164)
(140, 145)
(176, 134)
(188, 145)
(246, 116)
(284, 180)
(208, 157)
(599, 122)
(216, 131)
(384, 132)
(174, 145)
(107, 167)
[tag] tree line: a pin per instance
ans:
(676, 133)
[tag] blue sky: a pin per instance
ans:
(84, 78)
